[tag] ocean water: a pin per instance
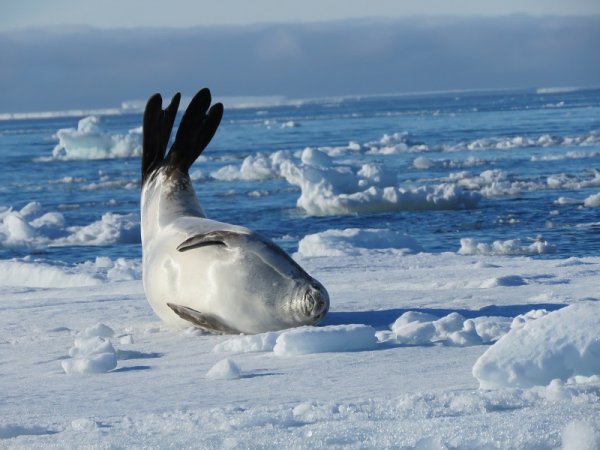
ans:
(454, 171)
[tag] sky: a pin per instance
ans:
(186, 13)
(70, 54)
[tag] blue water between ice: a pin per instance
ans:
(439, 121)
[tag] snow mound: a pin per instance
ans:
(33, 274)
(263, 342)
(354, 241)
(226, 369)
(90, 355)
(512, 247)
(334, 338)
(579, 435)
(91, 141)
(304, 340)
(32, 226)
(39, 275)
(558, 345)
(98, 330)
(418, 328)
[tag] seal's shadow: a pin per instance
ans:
(382, 319)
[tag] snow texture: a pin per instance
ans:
(391, 366)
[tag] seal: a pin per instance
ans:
(219, 277)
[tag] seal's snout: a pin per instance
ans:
(316, 302)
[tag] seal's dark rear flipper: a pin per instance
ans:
(158, 124)
(205, 322)
(198, 126)
(195, 131)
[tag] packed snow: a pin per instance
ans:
(419, 350)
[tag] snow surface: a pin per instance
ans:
(391, 366)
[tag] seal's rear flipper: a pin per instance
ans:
(197, 127)
(206, 322)
(158, 124)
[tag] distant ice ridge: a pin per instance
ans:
(563, 345)
(91, 141)
(31, 226)
(354, 241)
(34, 274)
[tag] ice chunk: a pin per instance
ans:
(334, 338)
(226, 369)
(561, 344)
(91, 141)
(90, 355)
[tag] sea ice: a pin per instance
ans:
(558, 345)
(91, 141)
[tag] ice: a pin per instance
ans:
(98, 330)
(32, 226)
(263, 342)
(91, 141)
(592, 201)
(111, 228)
(561, 345)
(334, 338)
(337, 386)
(34, 274)
(90, 355)
(469, 246)
(342, 190)
(353, 241)
(419, 328)
(226, 369)
(580, 435)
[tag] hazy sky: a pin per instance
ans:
(185, 13)
(298, 49)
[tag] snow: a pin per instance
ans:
(391, 366)
(225, 369)
(580, 435)
(352, 241)
(337, 338)
(470, 246)
(33, 226)
(558, 345)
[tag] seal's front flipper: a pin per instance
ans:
(206, 322)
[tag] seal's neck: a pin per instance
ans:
(166, 196)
